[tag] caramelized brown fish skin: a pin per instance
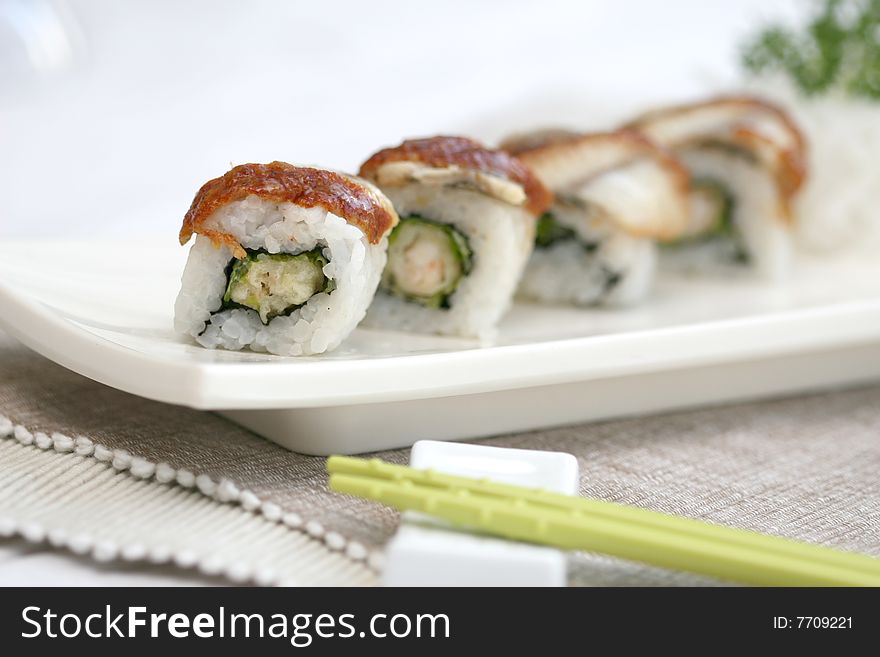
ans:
(537, 139)
(632, 144)
(569, 162)
(788, 163)
(444, 151)
(743, 102)
(281, 182)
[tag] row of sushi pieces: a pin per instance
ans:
(438, 235)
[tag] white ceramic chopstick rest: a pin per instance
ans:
(427, 552)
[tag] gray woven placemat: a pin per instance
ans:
(803, 467)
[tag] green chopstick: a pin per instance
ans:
(609, 510)
(577, 523)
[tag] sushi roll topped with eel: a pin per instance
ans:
(747, 160)
(286, 258)
(467, 225)
(616, 194)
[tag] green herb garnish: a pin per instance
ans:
(838, 49)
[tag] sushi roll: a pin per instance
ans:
(286, 259)
(615, 195)
(467, 224)
(747, 160)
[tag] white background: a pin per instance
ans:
(112, 114)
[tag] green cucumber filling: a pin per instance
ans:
(550, 232)
(713, 208)
(426, 261)
(711, 219)
(275, 284)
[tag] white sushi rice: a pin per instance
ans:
(838, 206)
(322, 323)
(500, 237)
(567, 273)
(766, 237)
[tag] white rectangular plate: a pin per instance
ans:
(104, 310)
